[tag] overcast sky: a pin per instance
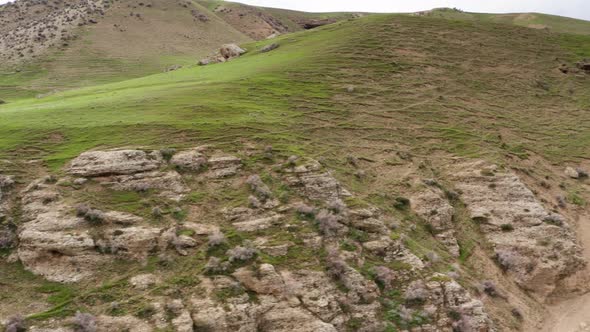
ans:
(571, 8)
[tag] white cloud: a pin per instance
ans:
(570, 8)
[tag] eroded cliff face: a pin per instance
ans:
(204, 240)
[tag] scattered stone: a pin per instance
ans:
(144, 281)
(269, 47)
(572, 173)
(230, 51)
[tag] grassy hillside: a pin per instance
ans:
(531, 20)
(133, 40)
(506, 100)
(403, 95)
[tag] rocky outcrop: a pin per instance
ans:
(61, 246)
(116, 162)
(432, 205)
(536, 247)
(223, 166)
(192, 160)
(447, 305)
(230, 51)
(226, 53)
(314, 183)
(32, 27)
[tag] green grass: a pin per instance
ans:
(553, 23)
(295, 99)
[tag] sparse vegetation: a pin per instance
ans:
(85, 322)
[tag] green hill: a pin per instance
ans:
(540, 21)
(379, 109)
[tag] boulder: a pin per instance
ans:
(144, 281)
(116, 162)
(571, 172)
(230, 51)
(269, 47)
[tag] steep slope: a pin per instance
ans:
(530, 20)
(380, 174)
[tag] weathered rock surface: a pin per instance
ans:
(192, 160)
(448, 305)
(170, 184)
(224, 166)
(432, 205)
(536, 250)
(314, 183)
(63, 247)
(230, 51)
(116, 162)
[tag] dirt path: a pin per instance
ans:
(573, 315)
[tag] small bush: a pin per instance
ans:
(507, 227)
(259, 188)
(157, 212)
(95, 216)
(81, 210)
(554, 219)
(16, 324)
(401, 203)
(338, 206)
(292, 161)
(305, 210)
(241, 253)
(416, 293)
(168, 153)
(506, 259)
(216, 239)
(337, 267)
(489, 288)
(517, 314)
(384, 277)
(254, 202)
(84, 322)
(216, 266)
(328, 223)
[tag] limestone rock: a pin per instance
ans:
(116, 162)
(536, 253)
(230, 51)
(440, 296)
(222, 167)
(314, 184)
(265, 281)
(170, 183)
(191, 160)
(572, 173)
(144, 281)
(432, 205)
